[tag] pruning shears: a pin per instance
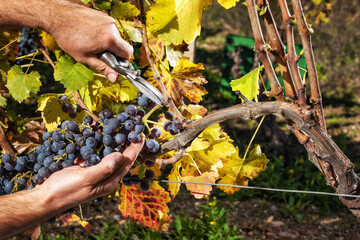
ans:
(125, 68)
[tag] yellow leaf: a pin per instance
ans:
(239, 171)
(228, 3)
(192, 111)
(124, 11)
(175, 21)
(174, 175)
(49, 41)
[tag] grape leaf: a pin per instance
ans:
(193, 111)
(124, 11)
(2, 101)
(71, 74)
(51, 111)
(174, 175)
(49, 41)
(228, 3)
(157, 46)
(248, 84)
(239, 171)
(101, 91)
(175, 21)
(72, 217)
(149, 208)
(131, 29)
(21, 85)
(184, 81)
(4, 65)
(174, 52)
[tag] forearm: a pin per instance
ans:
(43, 14)
(23, 210)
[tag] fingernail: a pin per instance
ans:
(112, 77)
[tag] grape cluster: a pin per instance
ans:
(67, 107)
(89, 141)
(26, 46)
(174, 126)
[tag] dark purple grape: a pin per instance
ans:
(134, 179)
(113, 123)
(37, 166)
(22, 182)
(64, 108)
(88, 120)
(149, 174)
(169, 115)
(155, 133)
(144, 186)
(32, 156)
(44, 172)
(9, 166)
(98, 136)
(71, 156)
(108, 130)
(48, 160)
(174, 131)
(167, 126)
(119, 148)
(122, 117)
(120, 138)
(88, 133)
(6, 158)
(55, 166)
(80, 141)
(87, 153)
(63, 98)
(61, 145)
(143, 101)
(73, 126)
(64, 124)
(140, 112)
(108, 140)
(8, 186)
(46, 136)
(131, 110)
(129, 125)
(126, 182)
(67, 163)
(177, 124)
(134, 136)
(139, 95)
(107, 113)
(91, 142)
(37, 179)
(137, 119)
(107, 151)
(94, 159)
(152, 145)
(139, 128)
(40, 157)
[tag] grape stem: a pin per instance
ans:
(174, 159)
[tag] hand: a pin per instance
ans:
(75, 185)
(83, 32)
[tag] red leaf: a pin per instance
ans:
(149, 208)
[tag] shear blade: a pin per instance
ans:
(149, 90)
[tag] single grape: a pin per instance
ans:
(139, 128)
(64, 125)
(80, 141)
(139, 95)
(32, 156)
(37, 166)
(6, 158)
(107, 151)
(107, 113)
(91, 142)
(37, 179)
(73, 126)
(129, 125)
(9, 166)
(108, 130)
(61, 152)
(174, 131)
(140, 112)
(120, 138)
(61, 145)
(122, 117)
(114, 123)
(143, 101)
(44, 172)
(177, 124)
(88, 120)
(94, 159)
(46, 136)
(87, 153)
(149, 174)
(48, 160)
(40, 157)
(8, 186)
(152, 145)
(144, 186)
(67, 163)
(63, 98)
(167, 126)
(108, 140)
(39, 149)
(70, 148)
(71, 156)
(126, 182)
(98, 136)
(137, 119)
(55, 166)
(131, 110)
(134, 136)
(119, 148)
(155, 133)
(88, 133)
(22, 182)
(64, 108)
(169, 115)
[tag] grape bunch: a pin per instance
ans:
(174, 126)
(67, 107)
(89, 141)
(26, 46)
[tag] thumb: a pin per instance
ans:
(101, 67)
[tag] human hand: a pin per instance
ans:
(83, 32)
(74, 185)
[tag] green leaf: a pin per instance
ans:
(248, 84)
(124, 11)
(72, 75)
(51, 111)
(21, 85)
(317, 2)
(2, 101)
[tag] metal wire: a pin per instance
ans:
(259, 188)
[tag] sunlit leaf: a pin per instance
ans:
(51, 111)
(228, 3)
(174, 175)
(72, 217)
(248, 84)
(149, 208)
(2, 101)
(21, 85)
(124, 11)
(73, 75)
(240, 171)
(175, 21)
(49, 41)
